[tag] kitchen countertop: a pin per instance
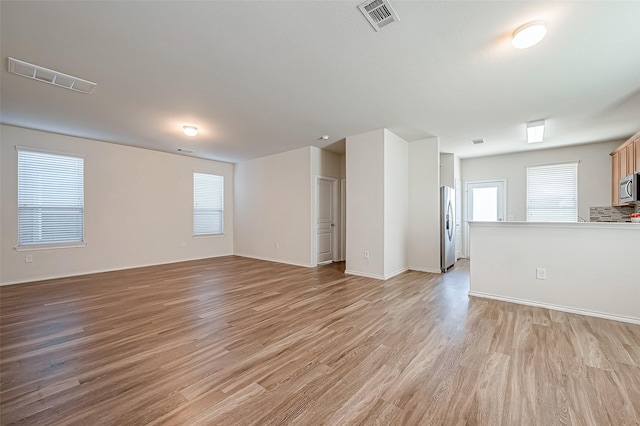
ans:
(586, 225)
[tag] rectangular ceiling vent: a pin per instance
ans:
(45, 75)
(379, 13)
(477, 141)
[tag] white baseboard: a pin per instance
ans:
(419, 269)
(568, 309)
(398, 272)
(99, 271)
(364, 274)
(269, 259)
(376, 276)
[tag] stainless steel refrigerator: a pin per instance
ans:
(447, 228)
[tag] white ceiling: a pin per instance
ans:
(264, 77)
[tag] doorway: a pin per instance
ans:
(486, 201)
(326, 219)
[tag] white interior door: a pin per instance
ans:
(486, 201)
(326, 193)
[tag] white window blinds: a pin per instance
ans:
(208, 204)
(50, 198)
(552, 193)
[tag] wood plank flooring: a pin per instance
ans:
(237, 341)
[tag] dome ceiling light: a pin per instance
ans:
(529, 34)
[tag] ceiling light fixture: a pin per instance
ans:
(535, 131)
(529, 34)
(325, 137)
(190, 130)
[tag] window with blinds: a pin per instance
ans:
(552, 193)
(50, 198)
(208, 204)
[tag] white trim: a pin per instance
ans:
(376, 276)
(568, 309)
(99, 271)
(196, 237)
(36, 247)
(429, 270)
(552, 163)
(343, 219)
(398, 272)
(364, 274)
(49, 151)
(270, 259)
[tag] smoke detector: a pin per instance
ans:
(46, 75)
(379, 13)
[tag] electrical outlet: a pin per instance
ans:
(366, 254)
(184, 244)
(541, 274)
(28, 258)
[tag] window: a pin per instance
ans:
(208, 204)
(50, 198)
(552, 193)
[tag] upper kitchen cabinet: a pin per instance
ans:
(624, 161)
(636, 148)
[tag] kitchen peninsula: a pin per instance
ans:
(585, 268)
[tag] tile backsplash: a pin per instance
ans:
(612, 214)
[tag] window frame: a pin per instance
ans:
(48, 246)
(575, 164)
(222, 209)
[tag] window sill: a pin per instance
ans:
(209, 236)
(49, 246)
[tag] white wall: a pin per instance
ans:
(580, 261)
(396, 204)
(138, 208)
(594, 174)
(365, 204)
(424, 205)
(274, 206)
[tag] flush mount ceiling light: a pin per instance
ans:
(190, 130)
(535, 131)
(529, 34)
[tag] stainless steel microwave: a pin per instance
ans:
(629, 189)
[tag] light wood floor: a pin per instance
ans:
(238, 341)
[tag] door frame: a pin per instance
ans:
(343, 220)
(336, 219)
(465, 209)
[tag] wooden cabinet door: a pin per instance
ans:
(615, 178)
(631, 159)
(637, 154)
(622, 158)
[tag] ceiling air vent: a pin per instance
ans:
(379, 13)
(45, 75)
(186, 151)
(477, 141)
